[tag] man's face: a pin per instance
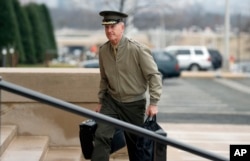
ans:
(114, 32)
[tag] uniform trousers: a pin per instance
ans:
(132, 112)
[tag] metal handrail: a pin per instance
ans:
(10, 87)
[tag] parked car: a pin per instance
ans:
(216, 58)
(93, 63)
(243, 66)
(193, 58)
(167, 64)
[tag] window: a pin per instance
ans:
(183, 52)
(163, 56)
(198, 52)
(172, 52)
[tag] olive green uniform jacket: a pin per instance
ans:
(127, 75)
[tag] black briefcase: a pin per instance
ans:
(160, 150)
(147, 149)
(87, 134)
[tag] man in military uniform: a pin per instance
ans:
(127, 70)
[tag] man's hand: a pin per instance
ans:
(98, 108)
(152, 110)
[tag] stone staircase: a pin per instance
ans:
(36, 148)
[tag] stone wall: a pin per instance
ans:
(77, 85)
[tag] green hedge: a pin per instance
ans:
(28, 29)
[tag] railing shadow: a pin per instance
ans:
(19, 90)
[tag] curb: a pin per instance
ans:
(215, 74)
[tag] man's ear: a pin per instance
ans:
(123, 25)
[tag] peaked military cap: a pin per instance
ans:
(112, 17)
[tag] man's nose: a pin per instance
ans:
(108, 29)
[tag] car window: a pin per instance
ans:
(214, 53)
(172, 52)
(166, 56)
(198, 52)
(162, 56)
(183, 52)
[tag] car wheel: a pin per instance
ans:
(194, 67)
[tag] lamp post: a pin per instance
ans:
(12, 52)
(227, 34)
(4, 52)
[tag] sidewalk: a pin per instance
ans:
(212, 74)
(215, 138)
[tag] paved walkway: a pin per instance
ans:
(215, 138)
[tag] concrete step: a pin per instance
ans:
(64, 153)
(75, 154)
(7, 133)
(35, 148)
(26, 148)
